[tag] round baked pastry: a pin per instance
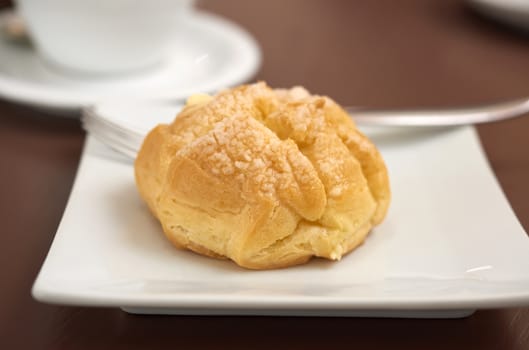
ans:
(267, 178)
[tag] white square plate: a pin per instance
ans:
(450, 244)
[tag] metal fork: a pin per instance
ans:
(441, 117)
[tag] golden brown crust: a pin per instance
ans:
(267, 178)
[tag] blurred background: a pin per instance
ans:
(395, 54)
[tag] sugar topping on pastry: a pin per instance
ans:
(267, 178)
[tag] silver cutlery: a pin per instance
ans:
(441, 117)
(125, 134)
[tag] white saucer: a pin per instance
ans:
(513, 12)
(212, 54)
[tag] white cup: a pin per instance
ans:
(104, 36)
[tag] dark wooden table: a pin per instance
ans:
(370, 53)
